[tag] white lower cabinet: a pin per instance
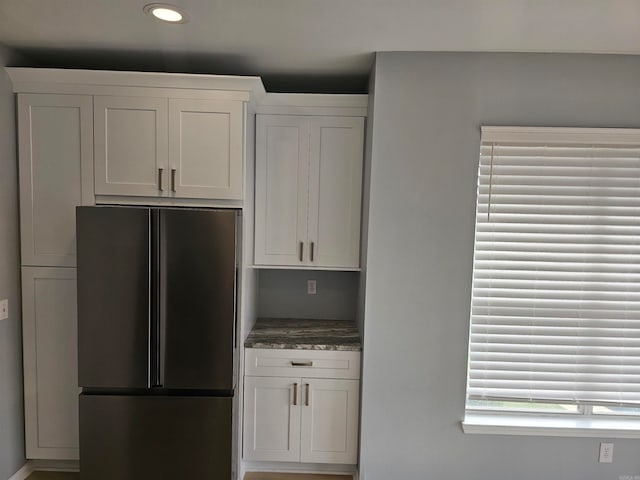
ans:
(329, 421)
(301, 419)
(49, 323)
(272, 419)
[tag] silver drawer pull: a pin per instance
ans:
(302, 364)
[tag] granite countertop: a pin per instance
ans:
(304, 334)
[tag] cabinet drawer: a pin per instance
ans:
(302, 363)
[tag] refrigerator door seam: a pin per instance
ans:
(149, 310)
(161, 320)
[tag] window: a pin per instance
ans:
(555, 309)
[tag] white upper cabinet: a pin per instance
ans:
(308, 190)
(159, 138)
(55, 135)
(176, 148)
(205, 148)
(335, 190)
(131, 145)
(282, 189)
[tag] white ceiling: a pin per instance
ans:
(316, 37)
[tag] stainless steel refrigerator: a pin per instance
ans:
(156, 342)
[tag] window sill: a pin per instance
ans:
(551, 426)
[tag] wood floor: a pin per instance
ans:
(53, 476)
(293, 476)
(248, 476)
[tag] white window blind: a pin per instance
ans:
(555, 311)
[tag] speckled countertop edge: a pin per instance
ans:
(304, 334)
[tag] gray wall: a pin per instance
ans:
(11, 413)
(283, 293)
(428, 113)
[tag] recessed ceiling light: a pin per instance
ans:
(166, 13)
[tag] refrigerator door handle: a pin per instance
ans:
(155, 299)
(235, 281)
(162, 299)
(161, 356)
(235, 310)
(150, 310)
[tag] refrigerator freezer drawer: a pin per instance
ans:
(155, 437)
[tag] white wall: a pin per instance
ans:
(11, 412)
(426, 133)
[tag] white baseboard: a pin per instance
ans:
(73, 466)
(55, 465)
(23, 473)
(295, 467)
(45, 466)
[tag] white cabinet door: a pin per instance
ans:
(56, 174)
(272, 419)
(329, 426)
(282, 190)
(50, 362)
(131, 146)
(336, 154)
(308, 191)
(205, 148)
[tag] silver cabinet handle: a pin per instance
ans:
(307, 401)
(302, 364)
(311, 251)
(301, 250)
(295, 394)
(160, 170)
(173, 180)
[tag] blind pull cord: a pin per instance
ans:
(490, 184)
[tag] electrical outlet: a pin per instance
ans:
(606, 453)
(4, 309)
(311, 287)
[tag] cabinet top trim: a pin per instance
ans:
(247, 88)
(313, 104)
(34, 80)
